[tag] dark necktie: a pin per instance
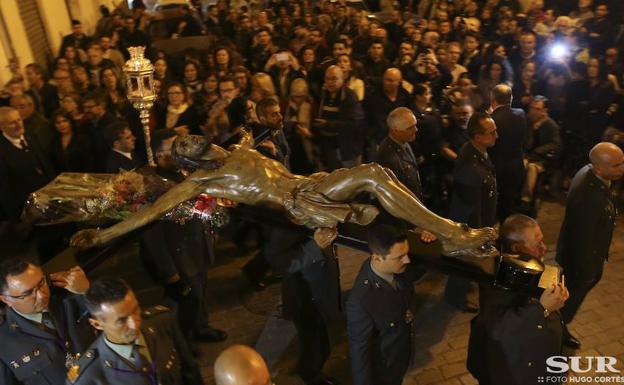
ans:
(48, 321)
(23, 145)
(139, 357)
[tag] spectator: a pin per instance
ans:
(97, 118)
(192, 79)
(353, 82)
(77, 39)
(34, 122)
(543, 149)
(24, 167)
(44, 94)
(337, 123)
(177, 113)
(71, 149)
(121, 156)
(380, 102)
(114, 90)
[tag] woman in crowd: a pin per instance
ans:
(70, 106)
(113, 87)
(493, 73)
(223, 61)
(161, 70)
(192, 78)
(177, 113)
(525, 86)
(71, 150)
(351, 79)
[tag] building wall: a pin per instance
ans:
(56, 16)
(17, 35)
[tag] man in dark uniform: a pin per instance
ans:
(508, 153)
(42, 330)
(135, 347)
(274, 242)
(311, 298)
(474, 193)
(587, 227)
(178, 255)
(395, 152)
(514, 333)
(380, 311)
(427, 146)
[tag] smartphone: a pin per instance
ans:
(281, 57)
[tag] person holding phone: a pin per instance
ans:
(283, 68)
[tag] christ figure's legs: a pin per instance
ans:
(344, 184)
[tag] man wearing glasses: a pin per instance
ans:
(42, 330)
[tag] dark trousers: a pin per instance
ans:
(457, 290)
(579, 287)
(314, 342)
(509, 188)
(191, 308)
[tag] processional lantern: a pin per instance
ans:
(140, 91)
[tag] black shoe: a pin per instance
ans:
(323, 380)
(256, 284)
(467, 308)
(195, 350)
(570, 341)
(212, 335)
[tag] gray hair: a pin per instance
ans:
(396, 117)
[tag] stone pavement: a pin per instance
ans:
(441, 333)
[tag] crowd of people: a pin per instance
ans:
(476, 107)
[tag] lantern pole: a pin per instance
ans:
(140, 91)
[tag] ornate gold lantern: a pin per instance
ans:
(140, 85)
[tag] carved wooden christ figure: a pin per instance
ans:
(243, 175)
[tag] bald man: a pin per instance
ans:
(507, 154)
(587, 227)
(337, 124)
(380, 101)
(241, 365)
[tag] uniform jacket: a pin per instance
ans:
(511, 339)
(379, 324)
(33, 355)
(474, 189)
(172, 362)
(508, 153)
(21, 173)
(402, 162)
(587, 226)
(313, 275)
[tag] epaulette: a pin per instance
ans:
(79, 367)
(154, 311)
